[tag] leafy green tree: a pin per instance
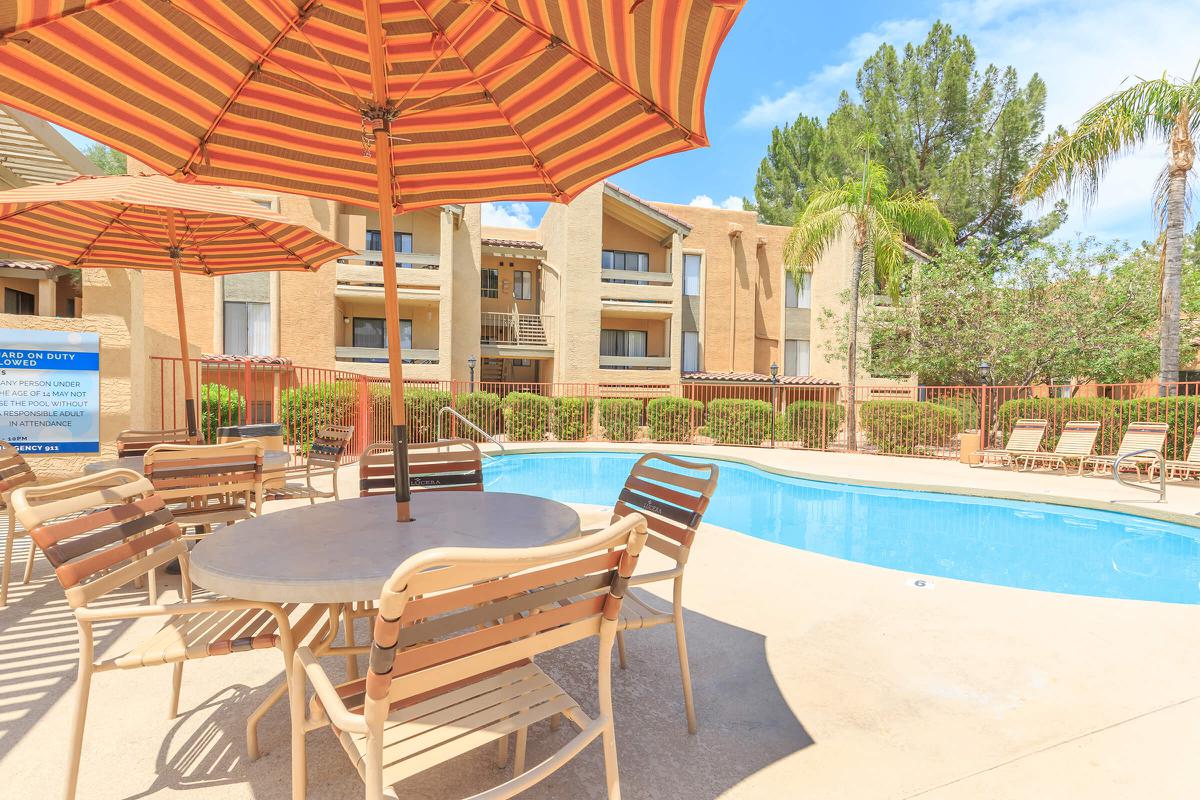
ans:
(946, 129)
(880, 222)
(110, 161)
(1045, 312)
(1161, 109)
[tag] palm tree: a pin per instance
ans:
(1162, 109)
(881, 223)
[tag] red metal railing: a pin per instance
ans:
(923, 421)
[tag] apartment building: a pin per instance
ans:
(610, 289)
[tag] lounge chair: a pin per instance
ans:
(1074, 445)
(1182, 470)
(1138, 436)
(451, 661)
(208, 484)
(324, 453)
(1026, 437)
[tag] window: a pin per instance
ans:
(247, 328)
(795, 357)
(628, 262)
(691, 274)
(622, 343)
(797, 296)
(522, 285)
(489, 283)
(522, 362)
(404, 244)
(17, 302)
(691, 351)
(372, 332)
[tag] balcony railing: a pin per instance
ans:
(380, 355)
(374, 258)
(519, 330)
(635, 362)
(634, 277)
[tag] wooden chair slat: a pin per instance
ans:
(65, 550)
(72, 573)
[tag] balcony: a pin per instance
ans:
(374, 258)
(379, 355)
(636, 278)
(635, 362)
(516, 335)
(360, 276)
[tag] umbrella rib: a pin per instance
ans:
(537, 162)
(281, 246)
(136, 232)
(254, 70)
(416, 108)
(437, 33)
(591, 63)
(221, 235)
(300, 30)
(115, 219)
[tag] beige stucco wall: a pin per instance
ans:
(504, 301)
(619, 236)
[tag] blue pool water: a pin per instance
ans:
(1010, 543)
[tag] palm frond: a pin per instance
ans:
(814, 232)
(885, 242)
(918, 218)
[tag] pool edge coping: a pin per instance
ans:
(1192, 521)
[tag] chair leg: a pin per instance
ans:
(519, 751)
(621, 650)
(555, 722)
(257, 715)
(176, 683)
(502, 752)
(685, 673)
(29, 563)
(83, 688)
(611, 777)
(296, 707)
(348, 627)
(6, 571)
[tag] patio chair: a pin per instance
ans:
(324, 453)
(673, 500)
(451, 662)
(376, 470)
(1138, 436)
(15, 472)
(208, 484)
(1026, 437)
(100, 533)
(136, 443)
(1074, 444)
(1182, 470)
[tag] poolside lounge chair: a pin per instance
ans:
(451, 661)
(1138, 436)
(324, 453)
(103, 531)
(1075, 444)
(15, 472)
(1026, 437)
(1182, 470)
(136, 443)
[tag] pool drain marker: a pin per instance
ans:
(920, 583)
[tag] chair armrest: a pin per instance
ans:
(655, 577)
(176, 609)
(331, 701)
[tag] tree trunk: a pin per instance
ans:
(1182, 155)
(852, 353)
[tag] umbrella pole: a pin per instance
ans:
(189, 396)
(377, 121)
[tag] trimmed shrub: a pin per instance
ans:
(483, 409)
(526, 416)
(731, 421)
(570, 418)
(620, 418)
(220, 405)
(421, 407)
(905, 427)
(673, 419)
(1058, 411)
(1182, 415)
(965, 405)
(812, 423)
(304, 409)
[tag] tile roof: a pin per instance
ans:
(518, 244)
(37, 266)
(652, 208)
(754, 377)
(225, 358)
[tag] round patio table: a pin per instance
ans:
(272, 460)
(343, 552)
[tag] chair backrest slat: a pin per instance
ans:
(330, 444)
(207, 474)
(136, 443)
(1143, 436)
(100, 531)
(14, 471)
(1078, 438)
(376, 470)
(1193, 454)
(437, 621)
(445, 465)
(672, 494)
(1026, 435)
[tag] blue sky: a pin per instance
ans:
(783, 58)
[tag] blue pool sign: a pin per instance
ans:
(50, 391)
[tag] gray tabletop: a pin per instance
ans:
(272, 459)
(341, 552)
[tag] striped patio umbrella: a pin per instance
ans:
(152, 222)
(394, 104)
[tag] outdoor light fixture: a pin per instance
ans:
(774, 370)
(345, 320)
(985, 371)
(774, 387)
(471, 366)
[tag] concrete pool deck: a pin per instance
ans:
(815, 678)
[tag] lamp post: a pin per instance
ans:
(985, 372)
(471, 367)
(774, 391)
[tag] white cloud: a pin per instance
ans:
(1083, 49)
(507, 215)
(731, 203)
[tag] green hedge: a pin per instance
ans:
(1182, 415)
(674, 419)
(526, 416)
(220, 405)
(571, 418)
(965, 405)
(906, 427)
(421, 407)
(304, 409)
(483, 409)
(812, 423)
(620, 418)
(731, 421)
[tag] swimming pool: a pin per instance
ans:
(1009, 543)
